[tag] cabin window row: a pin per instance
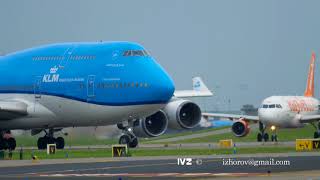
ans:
(46, 58)
(122, 85)
(80, 57)
(75, 57)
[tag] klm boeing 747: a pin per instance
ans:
(55, 86)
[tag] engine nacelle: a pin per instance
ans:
(151, 126)
(183, 114)
(240, 128)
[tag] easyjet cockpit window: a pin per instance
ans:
(135, 53)
(272, 106)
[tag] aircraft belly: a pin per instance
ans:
(62, 112)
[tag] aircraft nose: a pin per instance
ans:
(269, 116)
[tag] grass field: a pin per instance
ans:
(88, 140)
(184, 133)
(283, 135)
(27, 141)
(90, 153)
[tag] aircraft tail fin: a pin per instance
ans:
(198, 85)
(199, 89)
(310, 81)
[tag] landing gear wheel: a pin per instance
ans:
(316, 135)
(124, 139)
(42, 143)
(266, 137)
(259, 137)
(11, 144)
(60, 143)
(133, 143)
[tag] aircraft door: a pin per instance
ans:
(90, 86)
(37, 88)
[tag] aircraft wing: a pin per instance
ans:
(199, 90)
(231, 116)
(12, 109)
(309, 118)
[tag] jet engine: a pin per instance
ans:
(183, 114)
(151, 126)
(240, 128)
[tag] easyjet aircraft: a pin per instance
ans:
(280, 112)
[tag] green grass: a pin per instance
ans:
(89, 140)
(283, 135)
(91, 153)
(185, 133)
(27, 141)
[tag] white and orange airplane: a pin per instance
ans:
(280, 112)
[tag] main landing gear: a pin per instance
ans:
(262, 135)
(50, 139)
(7, 141)
(127, 137)
(317, 133)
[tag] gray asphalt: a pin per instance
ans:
(167, 167)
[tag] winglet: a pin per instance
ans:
(310, 82)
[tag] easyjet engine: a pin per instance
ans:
(240, 128)
(183, 114)
(151, 126)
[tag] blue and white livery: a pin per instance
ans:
(62, 85)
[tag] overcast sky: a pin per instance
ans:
(245, 50)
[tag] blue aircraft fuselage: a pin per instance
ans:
(104, 73)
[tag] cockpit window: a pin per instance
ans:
(272, 106)
(135, 53)
(265, 106)
(278, 106)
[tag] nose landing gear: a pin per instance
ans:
(274, 137)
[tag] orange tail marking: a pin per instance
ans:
(310, 83)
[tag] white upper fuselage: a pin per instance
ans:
(284, 111)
